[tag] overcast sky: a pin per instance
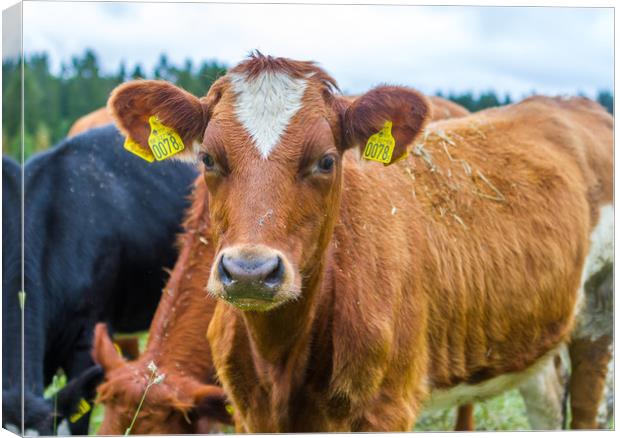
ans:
(516, 50)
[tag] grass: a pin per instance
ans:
(96, 418)
(51, 392)
(504, 412)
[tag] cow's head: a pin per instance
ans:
(174, 404)
(270, 136)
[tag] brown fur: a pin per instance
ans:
(92, 120)
(173, 107)
(589, 359)
(449, 267)
(187, 401)
(441, 108)
(465, 418)
(446, 109)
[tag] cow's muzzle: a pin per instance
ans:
(251, 277)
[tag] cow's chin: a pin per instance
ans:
(254, 298)
(252, 305)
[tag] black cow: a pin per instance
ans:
(100, 227)
(11, 285)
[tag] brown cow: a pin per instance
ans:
(91, 120)
(348, 290)
(186, 401)
(119, 400)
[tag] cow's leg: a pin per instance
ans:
(543, 395)
(606, 408)
(79, 362)
(386, 418)
(388, 412)
(590, 349)
(465, 418)
(589, 360)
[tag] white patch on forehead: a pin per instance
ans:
(265, 104)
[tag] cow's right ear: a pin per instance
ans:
(133, 103)
(104, 353)
(399, 112)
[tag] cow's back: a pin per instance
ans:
(587, 136)
(91, 120)
(445, 108)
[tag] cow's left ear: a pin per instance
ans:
(404, 109)
(134, 103)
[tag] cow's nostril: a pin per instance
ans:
(225, 276)
(274, 278)
(244, 270)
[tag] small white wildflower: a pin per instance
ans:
(159, 379)
(152, 367)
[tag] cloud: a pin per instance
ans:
(512, 50)
(11, 31)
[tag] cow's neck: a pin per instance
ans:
(277, 336)
(280, 342)
(280, 337)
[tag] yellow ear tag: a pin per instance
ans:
(133, 147)
(163, 140)
(117, 348)
(83, 408)
(380, 146)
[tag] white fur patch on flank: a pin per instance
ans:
(594, 309)
(265, 104)
(601, 243)
(465, 393)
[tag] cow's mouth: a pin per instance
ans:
(251, 304)
(252, 297)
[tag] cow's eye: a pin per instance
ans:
(208, 161)
(326, 163)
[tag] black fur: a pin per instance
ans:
(100, 226)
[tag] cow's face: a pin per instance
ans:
(270, 137)
(171, 403)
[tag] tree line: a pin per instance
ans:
(52, 102)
